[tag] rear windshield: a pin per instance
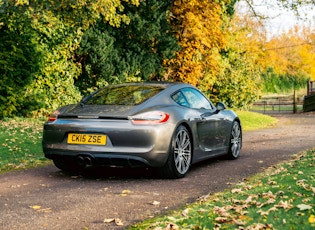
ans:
(124, 95)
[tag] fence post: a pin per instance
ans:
(308, 87)
(279, 105)
(294, 102)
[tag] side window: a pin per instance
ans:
(195, 99)
(180, 99)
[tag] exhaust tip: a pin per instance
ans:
(81, 161)
(88, 161)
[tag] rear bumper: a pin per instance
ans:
(100, 160)
(108, 159)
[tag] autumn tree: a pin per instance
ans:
(217, 56)
(288, 57)
(290, 61)
(292, 53)
(238, 82)
(199, 31)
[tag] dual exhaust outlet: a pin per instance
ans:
(85, 161)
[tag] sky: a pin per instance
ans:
(281, 20)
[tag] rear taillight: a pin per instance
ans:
(53, 116)
(148, 118)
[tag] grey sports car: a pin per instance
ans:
(167, 126)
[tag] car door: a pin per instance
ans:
(215, 128)
(210, 123)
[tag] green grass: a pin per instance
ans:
(20, 144)
(253, 121)
(280, 198)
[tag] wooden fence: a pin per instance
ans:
(309, 100)
(278, 104)
(287, 104)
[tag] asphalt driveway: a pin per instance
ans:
(46, 198)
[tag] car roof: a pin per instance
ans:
(163, 84)
(157, 83)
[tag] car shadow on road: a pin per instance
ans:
(109, 173)
(119, 173)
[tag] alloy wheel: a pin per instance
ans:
(182, 151)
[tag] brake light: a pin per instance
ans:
(150, 118)
(53, 117)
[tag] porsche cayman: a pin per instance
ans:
(167, 126)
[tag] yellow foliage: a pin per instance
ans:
(292, 53)
(199, 27)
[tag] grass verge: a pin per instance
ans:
(20, 146)
(280, 198)
(254, 121)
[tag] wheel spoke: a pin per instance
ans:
(235, 149)
(186, 144)
(183, 165)
(177, 144)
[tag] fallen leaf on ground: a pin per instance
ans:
(39, 208)
(185, 212)
(222, 212)
(203, 198)
(44, 210)
(155, 202)
(125, 192)
(260, 226)
(35, 207)
(117, 221)
(236, 190)
(311, 219)
(303, 207)
(284, 205)
(109, 220)
(222, 219)
(273, 209)
(239, 222)
(171, 226)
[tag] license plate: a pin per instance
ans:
(86, 139)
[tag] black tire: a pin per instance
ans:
(180, 155)
(67, 166)
(235, 141)
(60, 164)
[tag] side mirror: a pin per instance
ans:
(220, 106)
